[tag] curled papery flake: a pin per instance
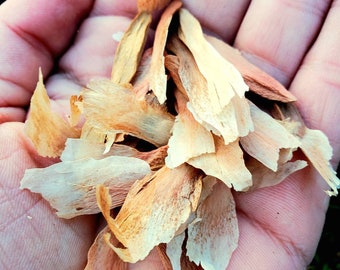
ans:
(153, 211)
(189, 139)
(101, 256)
(316, 147)
(110, 107)
(314, 144)
(267, 139)
(214, 237)
(258, 81)
(228, 116)
(47, 130)
(223, 79)
(130, 49)
(157, 74)
(226, 164)
(70, 186)
(265, 177)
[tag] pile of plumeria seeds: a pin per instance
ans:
(165, 140)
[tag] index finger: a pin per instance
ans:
(33, 34)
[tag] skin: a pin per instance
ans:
(295, 41)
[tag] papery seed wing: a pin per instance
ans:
(214, 237)
(101, 256)
(226, 164)
(153, 211)
(47, 130)
(70, 186)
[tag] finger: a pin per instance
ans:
(124, 8)
(317, 82)
(90, 56)
(275, 35)
(220, 17)
(36, 32)
(92, 53)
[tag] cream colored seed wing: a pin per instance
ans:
(101, 256)
(157, 77)
(234, 119)
(224, 80)
(70, 186)
(46, 129)
(258, 81)
(130, 49)
(189, 139)
(316, 147)
(153, 210)
(110, 107)
(214, 87)
(268, 138)
(226, 164)
(214, 237)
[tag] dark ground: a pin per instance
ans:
(328, 253)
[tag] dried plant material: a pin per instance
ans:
(174, 251)
(76, 109)
(258, 81)
(214, 237)
(316, 147)
(231, 119)
(201, 140)
(268, 138)
(104, 101)
(130, 49)
(76, 149)
(93, 134)
(140, 80)
(314, 144)
(223, 79)
(262, 176)
(157, 76)
(47, 130)
(70, 186)
(155, 158)
(226, 164)
(153, 210)
(165, 141)
(151, 5)
(171, 63)
(101, 256)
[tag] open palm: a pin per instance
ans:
(72, 42)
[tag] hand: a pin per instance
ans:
(294, 42)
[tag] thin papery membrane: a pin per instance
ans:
(200, 140)
(267, 139)
(226, 164)
(110, 107)
(153, 210)
(69, 186)
(214, 236)
(207, 104)
(46, 129)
